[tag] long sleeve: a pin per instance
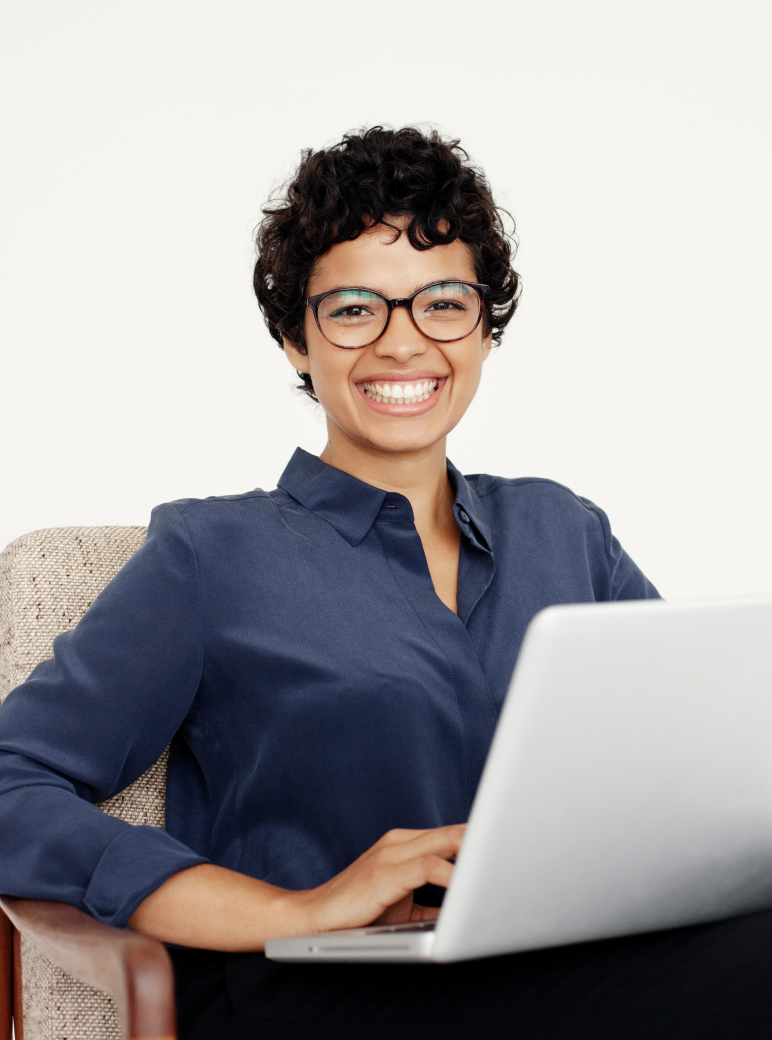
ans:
(92, 719)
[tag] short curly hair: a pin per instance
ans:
(367, 177)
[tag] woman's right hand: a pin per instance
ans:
(213, 908)
(379, 885)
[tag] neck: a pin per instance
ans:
(421, 476)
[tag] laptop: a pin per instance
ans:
(628, 788)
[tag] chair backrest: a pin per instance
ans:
(48, 579)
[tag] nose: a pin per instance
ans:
(401, 340)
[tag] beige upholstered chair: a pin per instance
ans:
(63, 962)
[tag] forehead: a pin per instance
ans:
(376, 260)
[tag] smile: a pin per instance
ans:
(400, 393)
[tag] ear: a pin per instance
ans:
(298, 361)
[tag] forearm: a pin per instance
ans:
(57, 846)
(212, 908)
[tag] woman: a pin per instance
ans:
(328, 661)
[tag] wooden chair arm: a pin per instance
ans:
(6, 977)
(133, 969)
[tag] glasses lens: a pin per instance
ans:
(352, 317)
(447, 310)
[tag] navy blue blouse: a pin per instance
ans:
(315, 690)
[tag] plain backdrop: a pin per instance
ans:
(630, 141)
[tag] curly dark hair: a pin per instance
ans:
(367, 177)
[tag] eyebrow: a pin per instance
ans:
(367, 288)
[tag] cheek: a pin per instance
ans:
(469, 371)
(330, 370)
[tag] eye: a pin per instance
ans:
(446, 305)
(353, 310)
(446, 301)
(351, 307)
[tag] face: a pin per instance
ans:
(346, 381)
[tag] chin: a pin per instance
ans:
(404, 443)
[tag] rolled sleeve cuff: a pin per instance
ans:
(132, 866)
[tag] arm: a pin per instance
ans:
(209, 907)
(89, 721)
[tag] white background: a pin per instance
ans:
(631, 141)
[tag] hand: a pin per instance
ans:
(379, 886)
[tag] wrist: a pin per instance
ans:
(292, 914)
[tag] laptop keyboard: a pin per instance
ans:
(410, 926)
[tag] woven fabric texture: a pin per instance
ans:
(48, 579)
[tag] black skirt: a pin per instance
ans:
(710, 981)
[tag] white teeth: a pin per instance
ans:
(401, 393)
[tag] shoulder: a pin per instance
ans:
(217, 503)
(531, 493)
(548, 521)
(193, 519)
(202, 510)
(540, 512)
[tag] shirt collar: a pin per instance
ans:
(351, 506)
(468, 502)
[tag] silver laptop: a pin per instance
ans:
(628, 788)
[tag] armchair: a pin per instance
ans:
(63, 974)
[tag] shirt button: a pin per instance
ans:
(464, 517)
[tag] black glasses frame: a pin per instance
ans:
(406, 302)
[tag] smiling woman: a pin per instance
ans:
(329, 659)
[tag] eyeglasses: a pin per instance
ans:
(442, 311)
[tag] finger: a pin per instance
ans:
(401, 835)
(361, 893)
(388, 883)
(440, 841)
(397, 881)
(406, 910)
(436, 871)
(424, 913)
(398, 912)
